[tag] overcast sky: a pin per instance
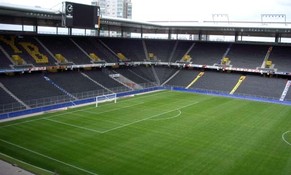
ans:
(187, 10)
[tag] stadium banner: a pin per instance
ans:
(183, 65)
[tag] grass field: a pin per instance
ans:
(159, 133)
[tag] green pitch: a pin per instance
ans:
(159, 133)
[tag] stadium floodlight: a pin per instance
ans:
(105, 98)
(220, 18)
(273, 18)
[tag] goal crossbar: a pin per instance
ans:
(105, 98)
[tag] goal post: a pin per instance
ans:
(105, 98)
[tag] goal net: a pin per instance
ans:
(105, 98)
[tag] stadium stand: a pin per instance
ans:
(73, 82)
(145, 72)
(161, 49)
(101, 77)
(87, 50)
(66, 47)
(247, 55)
(182, 49)
(27, 48)
(164, 73)
(131, 48)
(93, 45)
(208, 53)
(4, 59)
(29, 86)
(6, 98)
(217, 81)
(132, 75)
(280, 56)
(183, 78)
(262, 86)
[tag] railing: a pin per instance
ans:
(10, 107)
(226, 93)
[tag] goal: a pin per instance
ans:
(105, 98)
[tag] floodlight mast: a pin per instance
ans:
(220, 18)
(273, 18)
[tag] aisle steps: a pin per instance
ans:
(241, 79)
(197, 77)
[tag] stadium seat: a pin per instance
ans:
(94, 57)
(121, 57)
(268, 64)
(61, 59)
(11, 43)
(17, 60)
(186, 58)
(33, 51)
(225, 61)
(152, 56)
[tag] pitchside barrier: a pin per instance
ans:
(75, 103)
(226, 94)
(92, 100)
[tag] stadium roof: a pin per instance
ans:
(36, 16)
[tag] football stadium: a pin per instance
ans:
(100, 95)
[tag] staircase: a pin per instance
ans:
(171, 77)
(85, 75)
(241, 79)
(267, 57)
(13, 96)
(285, 91)
(197, 77)
(125, 81)
(58, 87)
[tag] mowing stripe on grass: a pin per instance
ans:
(122, 126)
(70, 112)
(96, 118)
(75, 126)
(27, 121)
(48, 157)
(18, 162)
(283, 137)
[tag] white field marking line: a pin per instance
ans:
(48, 157)
(65, 113)
(84, 128)
(71, 112)
(126, 99)
(28, 164)
(27, 121)
(90, 112)
(85, 110)
(122, 126)
(75, 126)
(167, 118)
(283, 137)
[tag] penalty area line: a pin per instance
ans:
(48, 157)
(128, 124)
(167, 118)
(75, 126)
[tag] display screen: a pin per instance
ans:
(81, 16)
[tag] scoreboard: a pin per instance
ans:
(81, 16)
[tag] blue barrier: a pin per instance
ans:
(128, 93)
(217, 93)
(69, 104)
